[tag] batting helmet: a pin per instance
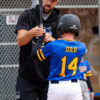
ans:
(69, 23)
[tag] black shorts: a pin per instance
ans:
(32, 92)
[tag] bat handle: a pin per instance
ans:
(41, 26)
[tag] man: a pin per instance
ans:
(85, 83)
(65, 55)
(30, 82)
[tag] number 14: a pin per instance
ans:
(72, 66)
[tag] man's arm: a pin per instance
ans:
(24, 31)
(24, 36)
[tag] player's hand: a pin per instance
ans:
(36, 31)
(92, 95)
(48, 38)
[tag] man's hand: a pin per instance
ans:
(48, 38)
(36, 31)
(25, 36)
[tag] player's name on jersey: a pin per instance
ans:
(71, 49)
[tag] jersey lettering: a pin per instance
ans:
(71, 49)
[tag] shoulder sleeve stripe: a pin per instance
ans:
(42, 55)
(89, 73)
(39, 56)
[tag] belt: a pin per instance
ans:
(82, 80)
(57, 82)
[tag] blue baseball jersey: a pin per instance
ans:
(85, 71)
(65, 57)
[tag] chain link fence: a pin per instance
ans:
(7, 82)
(78, 4)
(11, 4)
(19, 4)
(9, 51)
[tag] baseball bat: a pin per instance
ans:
(41, 12)
(41, 15)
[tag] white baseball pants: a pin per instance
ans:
(64, 90)
(84, 89)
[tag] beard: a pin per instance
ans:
(46, 11)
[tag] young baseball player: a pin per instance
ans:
(85, 72)
(65, 56)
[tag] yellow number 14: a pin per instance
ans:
(72, 66)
